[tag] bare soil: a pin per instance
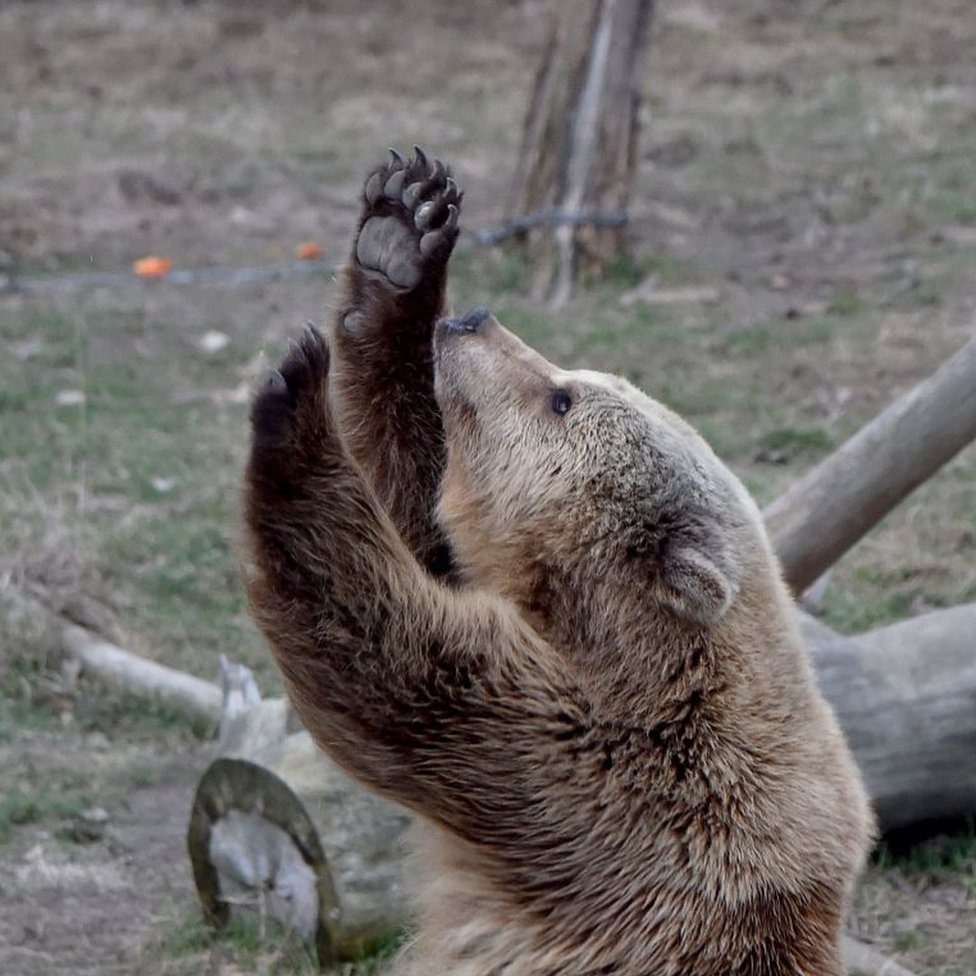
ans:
(80, 892)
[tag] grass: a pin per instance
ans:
(138, 482)
(851, 613)
(809, 439)
(846, 301)
(943, 856)
(139, 719)
(777, 335)
(252, 945)
(247, 942)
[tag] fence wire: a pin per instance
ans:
(12, 283)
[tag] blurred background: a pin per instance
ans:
(800, 251)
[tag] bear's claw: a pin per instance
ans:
(373, 189)
(275, 383)
(433, 240)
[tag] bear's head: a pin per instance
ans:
(561, 484)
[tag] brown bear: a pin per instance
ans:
(531, 605)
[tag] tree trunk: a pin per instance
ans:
(579, 143)
(842, 498)
(277, 829)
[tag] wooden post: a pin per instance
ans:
(579, 143)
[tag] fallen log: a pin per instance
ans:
(820, 517)
(905, 696)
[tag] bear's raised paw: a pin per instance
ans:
(409, 221)
(292, 404)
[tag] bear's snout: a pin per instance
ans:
(471, 321)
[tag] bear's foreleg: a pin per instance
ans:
(441, 699)
(393, 292)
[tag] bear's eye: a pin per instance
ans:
(561, 402)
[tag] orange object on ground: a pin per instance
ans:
(308, 251)
(152, 267)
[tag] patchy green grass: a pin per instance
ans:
(42, 803)
(246, 942)
(847, 301)
(944, 856)
(138, 719)
(795, 439)
(851, 613)
(777, 336)
(118, 474)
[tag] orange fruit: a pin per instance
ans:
(152, 267)
(308, 251)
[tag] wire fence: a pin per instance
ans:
(487, 237)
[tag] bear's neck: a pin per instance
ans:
(638, 658)
(614, 635)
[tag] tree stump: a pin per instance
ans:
(579, 141)
(279, 830)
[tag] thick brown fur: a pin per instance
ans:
(603, 716)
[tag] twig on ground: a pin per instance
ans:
(142, 676)
(862, 960)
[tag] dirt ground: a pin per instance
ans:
(809, 162)
(80, 899)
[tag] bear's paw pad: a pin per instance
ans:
(410, 219)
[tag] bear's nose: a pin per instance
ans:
(471, 321)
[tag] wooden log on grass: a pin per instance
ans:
(905, 696)
(820, 517)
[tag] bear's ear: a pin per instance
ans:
(699, 586)
(693, 571)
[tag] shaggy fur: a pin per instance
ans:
(581, 673)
